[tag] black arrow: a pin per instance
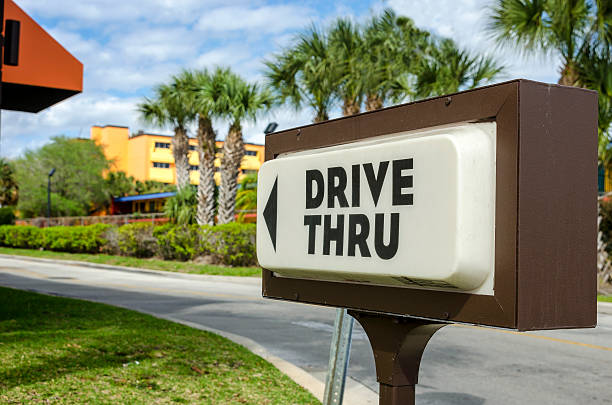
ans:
(270, 213)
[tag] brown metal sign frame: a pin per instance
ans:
(546, 208)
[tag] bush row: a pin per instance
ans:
(231, 244)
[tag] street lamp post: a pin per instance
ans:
(49, 196)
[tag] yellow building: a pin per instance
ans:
(149, 156)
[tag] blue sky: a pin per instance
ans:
(129, 46)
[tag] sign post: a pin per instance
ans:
(478, 207)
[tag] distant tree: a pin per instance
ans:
(569, 27)
(393, 46)
(119, 184)
(306, 74)
(579, 31)
(77, 187)
(245, 102)
(152, 186)
(207, 93)
(595, 71)
(9, 190)
(448, 69)
(246, 198)
(181, 208)
(170, 107)
(347, 48)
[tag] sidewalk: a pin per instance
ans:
(604, 308)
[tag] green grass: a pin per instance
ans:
(58, 350)
(604, 298)
(155, 264)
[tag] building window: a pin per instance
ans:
(250, 152)
(160, 165)
(193, 167)
(162, 145)
(192, 147)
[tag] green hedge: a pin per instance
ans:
(72, 239)
(178, 242)
(231, 244)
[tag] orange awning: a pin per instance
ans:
(46, 74)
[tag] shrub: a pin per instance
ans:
(137, 240)
(7, 216)
(75, 239)
(231, 244)
(181, 209)
(25, 237)
(177, 242)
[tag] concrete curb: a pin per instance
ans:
(604, 308)
(162, 273)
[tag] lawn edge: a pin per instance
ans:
(164, 273)
(295, 373)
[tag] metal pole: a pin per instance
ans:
(339, 355)
(49, 201)
(398, 344)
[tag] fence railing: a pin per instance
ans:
(42, 222)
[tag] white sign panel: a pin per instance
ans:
(414, 209)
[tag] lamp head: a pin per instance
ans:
(270, 128)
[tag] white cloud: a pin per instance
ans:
(226, 56)
(129, 46)
(268, 19)
(112, 11)
(72, 117)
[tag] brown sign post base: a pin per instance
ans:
(398, 344)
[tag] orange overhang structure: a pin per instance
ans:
(46, 74)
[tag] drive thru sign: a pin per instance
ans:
(477, 207)
(412, 209)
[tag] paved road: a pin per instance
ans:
(461, 365)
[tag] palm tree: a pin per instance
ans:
(206, 93)
(245, 102)
(180, 208)
(347, 48)
(170, 107)
(392, 47)
(568, 27)
(306, 74)
(595, 72)
(448, 69)
(246, 198)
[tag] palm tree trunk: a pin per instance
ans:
(321, 116)
(206, 188)
(233, 151)
(569, 74)
(373, 102)
(180, 148)
(350, 107)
